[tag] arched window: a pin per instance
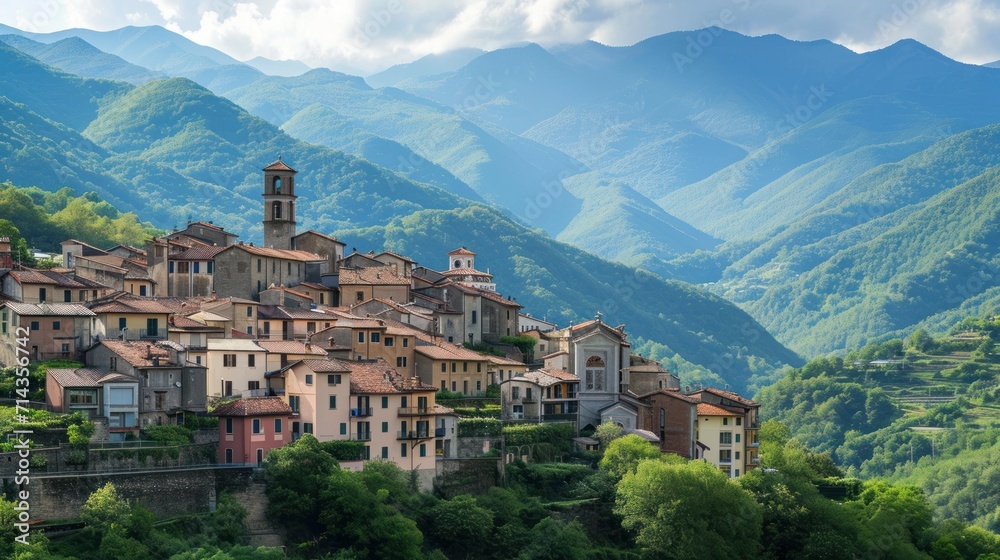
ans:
(458, 264)
(276, 210)
(276, 183)
(663, 419)
(595, 374)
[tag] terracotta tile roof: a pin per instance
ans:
(554, 354)
(92, 284)
(371, 276)
(547, 377)
(290, 347)
(461, 251)
(314, 286)
(675, 393)
(254, 406)
(198, 253)
(181, 305)
(130, 249)
(491, 295)
(290, 255)
(318, 234)
(466, 272)
(730, 395)
(504, 361)
(375, 377)
(279, 166)
(181, 322)
(328, 365)
(126, 303)
(49, 309)
(451, 352)
(138, 353)
(86, 377)
(205, 225)
(291, 291)
(240, 334)
(708, 409)
(108, 260)
(397, 255)
(206, 316)
(44, 277)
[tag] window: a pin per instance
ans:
(737, 438)
(333, 401)
(479, 385)
(454, 386)
(423, 449)
(309, 379)
(322, 298)
(402, 450)
(83, 295)
(170, 267)
(402, 401)
(196, 267)
(113, 363)
(385, 452)
(122, 323)
(343, 428)
(454, 367)
(725, 421)
(375, 337)
(307, 427)
(385, 427)
(725, 456)
(229, 360)
(56, 325)
(229, 456)
(251, 360)
(389, 341)
(65, 347)
(41, 294)
(67, 296)
(210, 267)
(34, 325)
(253, 385)
(595, 374)
(228, 390)
(479, 368)
(276, 210)
(333, 379)
(737, 456)
(361, 337)
(385, 402)
(229, 425)
(444, 367)
(293, 402)
(256, 425)
(183, 267)
(249, 311)
(289, 268)
(739, 421)
(260, 455)
(406, 342)
(465, 366)
(258, 265)
(142, 290)
(515, 393)
(311, 327)
(277, 425)
(473, 317)
(465, 387)
(360, 296)
(401, 361)
(122, 396)
(737, 473)
(725, 438)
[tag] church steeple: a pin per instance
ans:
(279, 205)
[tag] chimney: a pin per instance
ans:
(309, 346)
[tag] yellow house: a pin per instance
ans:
(130, 317)
(236, 367)
(454, 368)
(722, 438)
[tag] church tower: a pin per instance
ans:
(279, 205)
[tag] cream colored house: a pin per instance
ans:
(236, 367)
(721, 434)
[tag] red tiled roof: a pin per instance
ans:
(491, 295)
(107, 260)
(279, 166)
(289, 347)
(44, 277)
(126, 303)
(461, 251)
(138, 353)
(397, 255)
(371, 276)
(708, 409)
(449, 351)
(255, 406)
(290, 255)
(675, 393)
(377, 377)
(85, 377)
(198, 253)
(466, 272)
(730, 395)
(318, 234)
(314, 286)
(48, 309)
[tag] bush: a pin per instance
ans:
(483, 427)
(549, 481)
(559, 435)
(169, 434)
(344, 450)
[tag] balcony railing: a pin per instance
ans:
(755, 460)
(558, 417)
(413, 434)
(439, 432)
(725, 461)
(361, 412)
(753, 444)
(529, 400)
(138, 334)
(413, 411)
(362, 436)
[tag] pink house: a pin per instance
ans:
(250, 427)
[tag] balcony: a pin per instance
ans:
(413, 411)
(439, 432)
(571, 417)
(137, 334)
(529, 400)
(361, 412)
(362, 436)
(413, 434)
(755, 460)
(753, 444)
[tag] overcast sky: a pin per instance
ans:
(369, 35)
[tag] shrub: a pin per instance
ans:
(169, 434)
(486, 427)
(344, 450)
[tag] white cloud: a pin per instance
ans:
(368, 35)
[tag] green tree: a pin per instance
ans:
(622, 455)
(551, 539)
(607, 432)
(688, 510)
(294, 475)
(104, 508)
(459, 526)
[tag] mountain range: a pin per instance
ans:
(814, 186)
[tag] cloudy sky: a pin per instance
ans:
(369, 35)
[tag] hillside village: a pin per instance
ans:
(298, 336)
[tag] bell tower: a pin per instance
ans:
(279, 205)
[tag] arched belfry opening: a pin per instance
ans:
(279, 205)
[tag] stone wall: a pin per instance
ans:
(466, 476)
(475, 447)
